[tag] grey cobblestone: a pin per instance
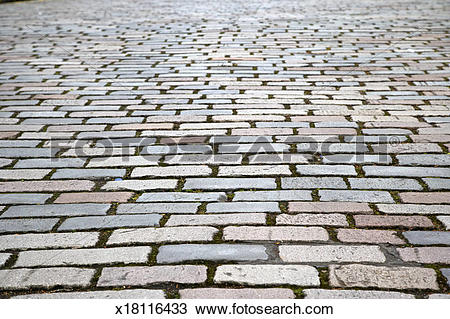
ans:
(160, 235)
(217, 252)
(382, 277)
(63, 240)
(312, 182)
(56, 210)
(268, 275)
(142, 276)
(106, 222)
(355, 196)
(45, 277)
(354, 294)
(163, 208)
(229, 183)
(26, 225)
(19, 198)
(91, 256)
(243, 293)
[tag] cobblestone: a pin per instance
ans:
(45, 277)
(142, 276)
(278, 233)
(91, 256)
(161, 235)
(426, 255)
(268, 275)
(63, 240)
(331, 253)
(218, 252)
(354, 294)
(244, 293)
(382, 277)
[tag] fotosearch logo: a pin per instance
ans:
(224, 149)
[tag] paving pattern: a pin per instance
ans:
(244, 148)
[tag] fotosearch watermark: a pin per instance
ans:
(354, 149)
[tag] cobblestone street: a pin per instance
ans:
(225, 149)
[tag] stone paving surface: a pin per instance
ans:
(212, 149)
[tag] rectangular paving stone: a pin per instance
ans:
(385, 183)
(27, 225)
(93, 197)
(61, 240)
(46, 186)
(106, 222)
(230, 183)
(279, 158)
(354, 294)
(356, 159)
(437, 183)
(92, 173)
(161, 235)
(163, 208)
(24, 152)
(312, 182)
(275, 233)
(355, 196)
(424, 159)
(221, 219)
(414, 209)
(312, 219)
(85, 256)
(215, 159)
(123, 161)
(406, 171)
(21, 174)
(425, 255)
(331, 253)
(17, 198)
(213, 252)
(45, 277)
(368, 236)
(258, 170)
(427, 237)
(365, 276)
(281, 195)
(241, 293)
(141, 185)
(101, 294)
(329, 207)
(392, 221)
(50, 162)
(182, 197)
(426, 197)
(143, 276)
(51, 210)
(326, 170)
(187, 170)
(299, 275)
(241, 207)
